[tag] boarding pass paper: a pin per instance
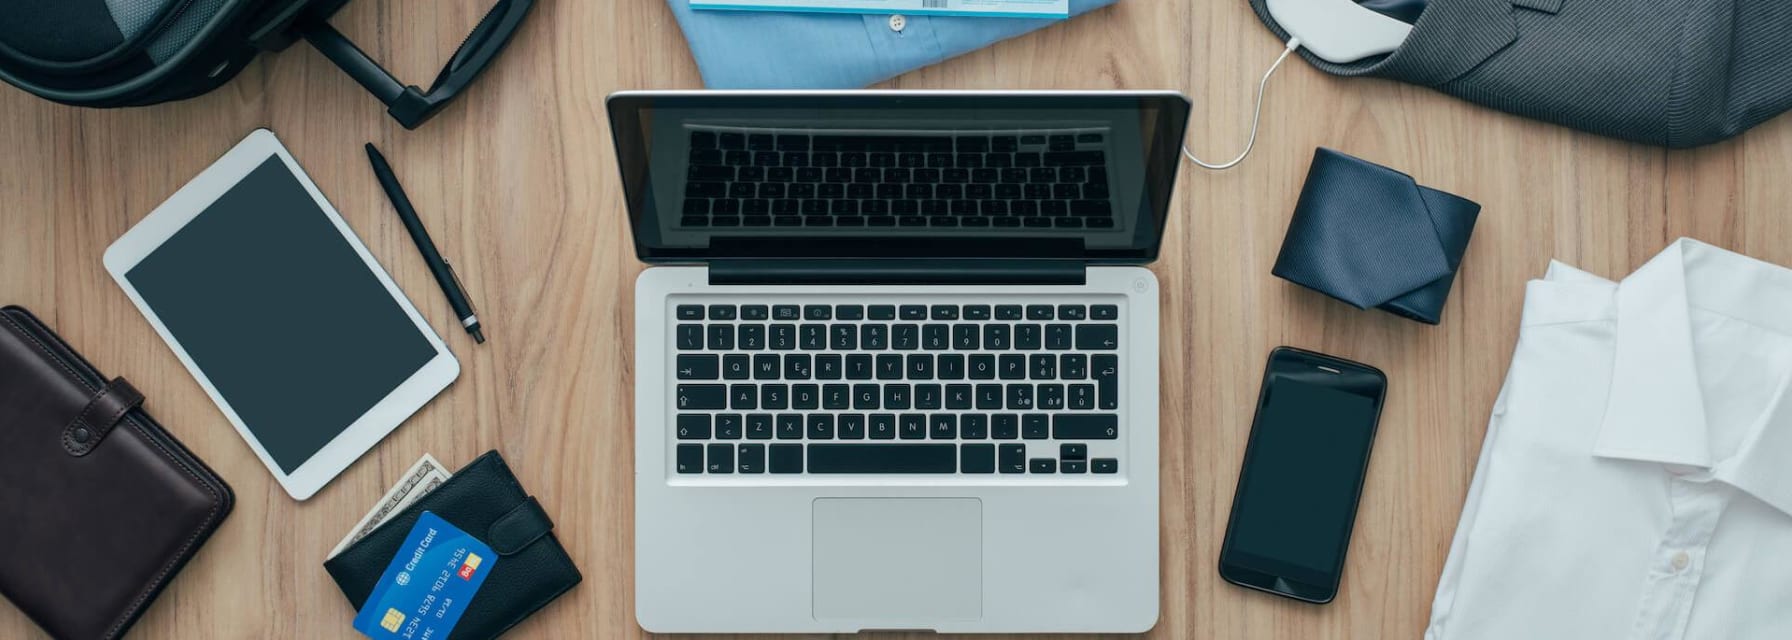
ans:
(985, 8)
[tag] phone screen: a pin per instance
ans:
(1302, 475)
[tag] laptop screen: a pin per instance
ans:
(1084, 176)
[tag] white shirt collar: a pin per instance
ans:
(1656, 409)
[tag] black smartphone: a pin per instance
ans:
(1303, 472)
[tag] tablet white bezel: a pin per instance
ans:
(361, 435)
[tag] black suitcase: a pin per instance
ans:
(123, 53)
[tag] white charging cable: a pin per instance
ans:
(1256, 114)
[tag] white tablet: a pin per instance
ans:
(282, 315)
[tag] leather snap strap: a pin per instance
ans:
(99, 416)
(521, 527)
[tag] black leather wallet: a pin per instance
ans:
(485, 500)
(1372, 237)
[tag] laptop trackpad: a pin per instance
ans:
(908, 561)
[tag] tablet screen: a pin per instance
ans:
(288, 323)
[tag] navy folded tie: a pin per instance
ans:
(1372, 237)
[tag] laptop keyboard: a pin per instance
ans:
(803, 178)
(974, 389)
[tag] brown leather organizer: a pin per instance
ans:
(101, 507)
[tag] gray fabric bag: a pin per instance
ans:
(1676, 73)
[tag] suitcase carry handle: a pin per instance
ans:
(408, 104)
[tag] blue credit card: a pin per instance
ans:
(428, 585)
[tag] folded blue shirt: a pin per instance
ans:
(779, 50)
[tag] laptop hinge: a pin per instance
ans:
(916, 271)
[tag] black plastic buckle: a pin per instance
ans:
(410, 105)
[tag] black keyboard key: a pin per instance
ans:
(995, 337)
(828, 367)
(752, 458)
(1082, 396)
(1105, 370)
(852, 426)
(942, 426)
(989, 396)
(813, 337)
(1105, 465)
(818, 312)
(1074, 158)
(1063, 142)
(920, 366)
(1051, 397)
(728, 426)
(889, 367)
(699, 397)
(805, 396)
(897, 396)
(1020, 396)
(1013, 458)
(1043, 465)
(1032, 140)
(1073, 366)
(773, 396)
(1085, 426)
(721, 337)
(1012, 367)
(964, 337)
(1043, 366)
(1097, 337)
(872, 337)
(743, 396)
(1072, 466)
(754, 312)
(721, 458)
(959, 396)
(945, 312)
(1039, 312)
(752, 337)
(882, 312)
(936, 337)
(796, 142)
(1073, 451)
(690, 337)
(1088, 138)
(760, 142)
(914, 312)
(703, 139)
(883, 458)
(693, 426)
(843, 337)
(1035, 426)
(821, 426)
(736, 367)
(974, 426)
(911, 426)
(789, 426)
(859, 367)
(1009, 312)
(977, 458)
(690, 458)
(950, 367)
(976, 312)
(698, 367)
(786, 312)
(835, 397)
(883, 426)
(759, 426)
(1072, 312)
(1027, 337)
(1091, 208)
(690, 312)
(786, 458)
(1057, 336)
(797, 366)
(850, 312)
(1004, 426)
(982, 367)
(767, 367)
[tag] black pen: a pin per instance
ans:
(444, 272)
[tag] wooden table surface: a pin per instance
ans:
(518, 183)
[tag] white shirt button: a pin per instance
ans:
(1681, 560)
(898, 22)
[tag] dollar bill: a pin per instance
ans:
(422, 478)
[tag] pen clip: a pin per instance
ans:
(455, 273)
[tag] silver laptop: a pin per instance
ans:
(896, 359)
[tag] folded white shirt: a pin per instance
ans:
(1636, 479)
